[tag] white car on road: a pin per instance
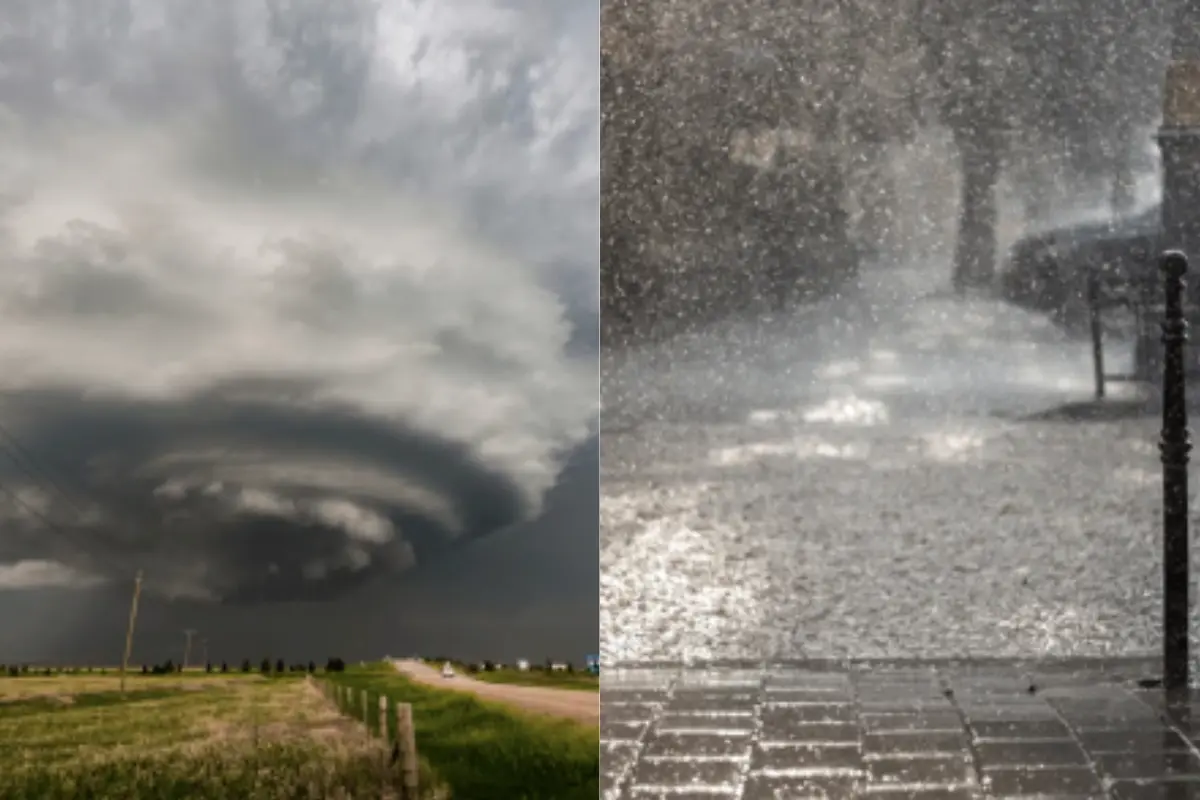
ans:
(447, 670)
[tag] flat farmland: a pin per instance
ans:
(189, 735)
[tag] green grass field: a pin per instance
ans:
(198, 735)
(183, 736)
(484, 751)
(577, 681)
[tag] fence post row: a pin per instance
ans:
(407, 742)
(1174, 447)
(404, 743)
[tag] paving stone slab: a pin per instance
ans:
(930, 731)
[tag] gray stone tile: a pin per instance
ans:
(720, 678)
(1047, 729)
(704, 723)
(905, 705)
(654, 794)
(943, 793)
(789, 716)
(1030, 754)
(897, 692)
(793, 695)
(701, 733)
(628, 712)
(620, 679)
(713, 701)
(1108, 715)
(674, 773)
(1157, 790)
(953, 770)
(621, 731)
(764, 787)
(940, 720)
(1131, 741)
(781, 730)
(617, 756)
(610, 785)
(889, 744)
(1143, 765)
(811, 680)
(697, 745)
(618, 695)
(811, 713)
(805, 757)
(1056, 782)
(1009, 712)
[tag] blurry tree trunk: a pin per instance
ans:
(1124, 194)
(975, 250)
(1039, 197)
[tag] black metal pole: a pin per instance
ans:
(1175, 447)
(1093, 300)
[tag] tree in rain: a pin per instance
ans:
(1046, 99)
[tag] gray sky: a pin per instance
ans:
(297, 312)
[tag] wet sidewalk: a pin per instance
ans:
(892, 730)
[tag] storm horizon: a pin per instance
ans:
(299, 322)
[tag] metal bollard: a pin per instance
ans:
(1175, 446)
(1097, 329)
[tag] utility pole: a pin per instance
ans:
(1179, 142)
(187, 646)
(133, 609)
(204, 650)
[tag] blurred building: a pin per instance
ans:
(737, 148)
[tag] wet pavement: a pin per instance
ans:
(879, 480)
(1081, 728)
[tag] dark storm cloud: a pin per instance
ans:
(246, 500)
(530, 591)
(295, 295)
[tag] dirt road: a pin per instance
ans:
(580, 706)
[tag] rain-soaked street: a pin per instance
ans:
(874, 478)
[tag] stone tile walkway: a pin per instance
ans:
(889, 730)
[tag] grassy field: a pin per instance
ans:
(577, 681)
(188, 735)
(483, 751)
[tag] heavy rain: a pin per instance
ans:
(847, 382)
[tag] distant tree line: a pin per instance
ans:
(20, 670)
(170, 667)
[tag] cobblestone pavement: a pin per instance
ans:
(944, 730)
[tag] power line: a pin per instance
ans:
(54, 526)
(15, 448)
(12, 445)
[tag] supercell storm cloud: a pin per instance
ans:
(277, 286)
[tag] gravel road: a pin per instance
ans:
(580, 706)
(864, 479)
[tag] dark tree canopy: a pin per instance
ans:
(1047, 96)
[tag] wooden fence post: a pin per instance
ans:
(407, 742)
(366, 709)
(383, 715)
